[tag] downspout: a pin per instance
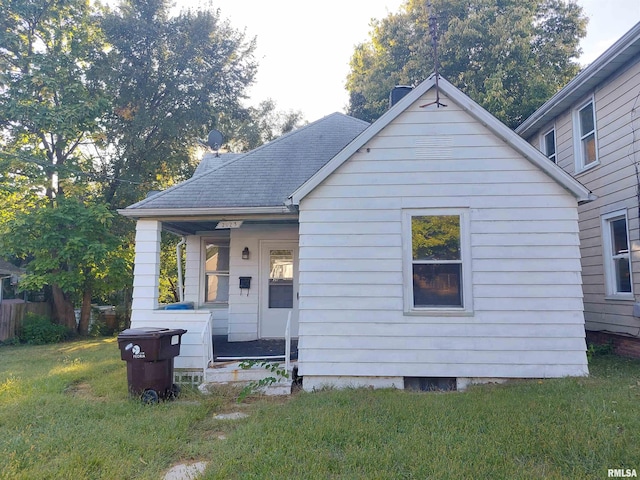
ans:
(179, 260)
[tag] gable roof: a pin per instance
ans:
(616, 57)
(473, 109)
(259, 181)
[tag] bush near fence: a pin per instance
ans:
(12, 313)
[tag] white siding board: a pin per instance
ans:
(527, 265)
(448, 189)
(330, 240)
(482, 159)
(486, 344)
(525, 239)
(362, 266)
(526, 278)
(501, 357)
(333, 320)
(529, 291)
(503, 370)
(350, 278)
(445, 329)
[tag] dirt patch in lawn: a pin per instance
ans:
(82, 390)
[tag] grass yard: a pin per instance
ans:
(65, 413)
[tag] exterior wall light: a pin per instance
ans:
(245, 253)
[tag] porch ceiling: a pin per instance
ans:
(182, 227)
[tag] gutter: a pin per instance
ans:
(629, 40)
(194, 212)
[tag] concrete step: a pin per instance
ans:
(231, 372)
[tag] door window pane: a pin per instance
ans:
(280, 279)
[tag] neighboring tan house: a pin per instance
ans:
(434, 245)
(591, 128)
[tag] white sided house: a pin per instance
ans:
(434, 245)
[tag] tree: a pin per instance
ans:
(262, 124)
(71, 246)
(508, 55)
(171, 79)
(49, 101)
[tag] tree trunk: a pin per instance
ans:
(85, 312)
(63, 309)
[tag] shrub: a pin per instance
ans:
(38, 330)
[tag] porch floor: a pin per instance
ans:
(224, 350)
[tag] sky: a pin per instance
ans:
(304, 47)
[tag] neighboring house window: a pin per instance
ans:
(437, 263)
(549, 145)
(586, 148)
(616, 253)
(216, 268)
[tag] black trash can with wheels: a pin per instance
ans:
(149, 353)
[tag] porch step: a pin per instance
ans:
(275, 389)
(231, 373)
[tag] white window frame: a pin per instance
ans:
(465, 254)
(609, 257)
(221, 242)
(578, 136)
(543, 144)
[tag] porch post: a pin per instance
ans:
(146, 273)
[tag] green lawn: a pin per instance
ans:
(65, 413)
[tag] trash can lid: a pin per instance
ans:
(150, 332)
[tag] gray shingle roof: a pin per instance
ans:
(263, 177)
(210, 161)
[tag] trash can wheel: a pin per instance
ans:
(149, 396)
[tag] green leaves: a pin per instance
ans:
(509, 56)
(70, 246)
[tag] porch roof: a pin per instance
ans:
(261, 179)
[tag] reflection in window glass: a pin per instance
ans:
(216, 285)
(550, 145)
(617, 258)
(437, 261)
(437, 285)
(587, 127)
(281, 279)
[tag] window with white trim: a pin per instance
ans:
(216, 271)
(585, 141)
(617, 260)
(437, 264)
(548, 145)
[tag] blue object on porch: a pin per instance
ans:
(179, 306)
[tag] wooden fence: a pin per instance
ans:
(12, 314)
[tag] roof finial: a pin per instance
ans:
(433, 31)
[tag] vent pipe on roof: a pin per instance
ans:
(398, 93)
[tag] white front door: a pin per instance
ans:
(278, 288)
